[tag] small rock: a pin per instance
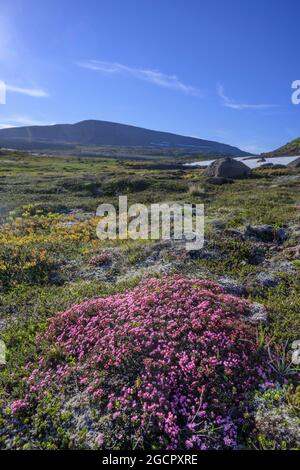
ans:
(231, 287)
(266, 233)
(205, 254)
(258, 313)
(98, 192)
(281, 235)
(56, 278)
(267, 279)
(257, 256)
(262, 232)
(282, 266)
(260, 282)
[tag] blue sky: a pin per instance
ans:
(220, 70)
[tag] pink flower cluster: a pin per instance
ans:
(18, 405)
(171, 362)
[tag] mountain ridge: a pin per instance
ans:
(291, 149)
(104, 133)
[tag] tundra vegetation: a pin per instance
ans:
(141, 344)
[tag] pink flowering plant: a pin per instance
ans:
(169, 364)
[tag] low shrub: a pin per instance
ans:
(25, 264)
(168, 364)
(124, 185)
(100, 259)
(196, 190)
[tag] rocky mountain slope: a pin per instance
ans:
(102, 133)
(289, 149)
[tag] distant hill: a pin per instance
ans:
(101, 133)
(290, 149)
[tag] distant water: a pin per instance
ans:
(251, 163)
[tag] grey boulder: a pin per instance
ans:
(228, 168)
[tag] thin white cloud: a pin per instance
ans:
(152, 76)
(19, 121)
(230, 103)
(35, 92)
